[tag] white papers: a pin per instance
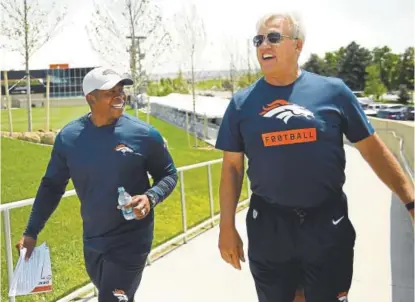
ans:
(33, 276)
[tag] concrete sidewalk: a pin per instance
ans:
(384, 266)
(384, 252)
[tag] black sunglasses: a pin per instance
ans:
(272, 38)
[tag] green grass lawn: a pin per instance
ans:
(210, 84)
(59, 116)
(23, 165)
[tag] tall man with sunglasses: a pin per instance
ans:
(102, 151)
(290, 124)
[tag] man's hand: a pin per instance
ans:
(411, 212)
(231, 246)
(140, 205)
(26, 242)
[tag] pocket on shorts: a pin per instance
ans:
(336, 229)
(257, 231)
(264, 241)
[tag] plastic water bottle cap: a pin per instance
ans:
(121, 189)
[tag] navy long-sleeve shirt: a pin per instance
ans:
(99, 160)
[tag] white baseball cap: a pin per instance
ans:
(103, 78)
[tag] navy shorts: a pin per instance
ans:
(116, 274)
(290, 249)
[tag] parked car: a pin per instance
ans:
(367, 110)
(372, 108)
(370, 112)
(362, 98)
(389, 97)
(375, 106)
(410, 113)
(393, 112)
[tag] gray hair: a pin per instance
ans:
(294, 19)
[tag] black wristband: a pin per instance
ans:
(409, 206)
(151, 199)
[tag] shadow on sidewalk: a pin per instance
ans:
(402, 253)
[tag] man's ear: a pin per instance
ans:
(299, 46)
(90, 98)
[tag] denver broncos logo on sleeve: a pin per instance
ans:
(284, 111)
(123, 149)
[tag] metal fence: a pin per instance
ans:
(401, 156)
(185, 234)
(183, 237)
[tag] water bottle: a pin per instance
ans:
(123, 199)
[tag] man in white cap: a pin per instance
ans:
(101, 152)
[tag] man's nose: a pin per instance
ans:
(121, 94)
(265, 44)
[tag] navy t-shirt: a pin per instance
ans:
(293, 137)
(99, 160)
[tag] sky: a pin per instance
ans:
(230, 24)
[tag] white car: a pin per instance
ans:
(390, 97)
(376, 106)
(362, 98)
(368, 111)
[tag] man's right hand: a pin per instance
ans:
(26, 242)
(231, 246)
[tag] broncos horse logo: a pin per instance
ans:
(120, 294)
(123, 149)
(284, 110)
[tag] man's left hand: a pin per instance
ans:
(140, 205)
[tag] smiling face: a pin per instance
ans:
(108, 104)
(278, 58)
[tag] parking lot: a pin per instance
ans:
(389, 108)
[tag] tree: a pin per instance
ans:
(374, 85)
(191, 40)
(180, 84)
(350, 63)
(390, 71)
(403, 94)
(129, 29)
(388, 63)
(231, 52)
(247, 79)
(332, 62)
(406, 68)
(315, 64)
(27, 28)
(353, 63)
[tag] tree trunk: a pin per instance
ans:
(231, 75)
(29, 99)
(249, 62)
(194, 98)
(133, 68)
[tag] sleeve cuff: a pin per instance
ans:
(30, 234)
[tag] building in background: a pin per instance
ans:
(65, 82)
